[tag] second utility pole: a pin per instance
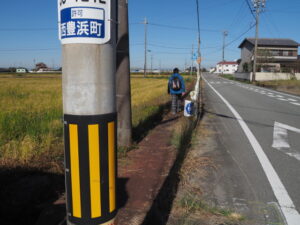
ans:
(123, 78)
(225, 33)
(258, 4)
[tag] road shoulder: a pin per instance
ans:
(213, 189)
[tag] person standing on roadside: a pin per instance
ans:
(176, 88)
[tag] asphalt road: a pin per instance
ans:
(260, 129)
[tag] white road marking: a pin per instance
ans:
(266, 89)
(280, 139)
(292, 100)
(283, 99)
(286, 204)
(295, 103)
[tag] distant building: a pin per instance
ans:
(212, 69)
(226, 67)
(21, 70)
(273, 55)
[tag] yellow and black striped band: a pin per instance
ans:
(91, 168)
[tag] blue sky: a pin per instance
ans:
(28, 31)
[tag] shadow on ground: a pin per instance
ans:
(143, 128)
(162, 205)
(25, 192)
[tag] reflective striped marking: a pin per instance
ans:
(75, 176)
(111, 167)
(95, 182)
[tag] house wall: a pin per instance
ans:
(276, 76)
(243, 76)
(246, 55)
(227, 68)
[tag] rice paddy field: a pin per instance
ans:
(31, 114)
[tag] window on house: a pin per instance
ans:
(274, 52)
(285, 53)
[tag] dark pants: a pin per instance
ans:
(176, 103)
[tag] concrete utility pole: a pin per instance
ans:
(146, 33)
(123, 78)
(258, 6)
(225, 33)
(89, 107)
(199, 87)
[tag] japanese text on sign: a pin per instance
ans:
(84, 22)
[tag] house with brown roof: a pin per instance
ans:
(273, 55)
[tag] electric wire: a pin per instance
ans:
(28, 50)
(232, 41)
(181, 28)
(251, 10)
(27, 29)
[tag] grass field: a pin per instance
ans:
(31, 114)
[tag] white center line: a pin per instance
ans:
(285, 202)
(283, 99)
(295, 103)
(293, 100)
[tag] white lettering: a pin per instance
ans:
(96, 28)
(83, 27)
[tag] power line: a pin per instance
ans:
(237, 16)
(173, 53)
(168, 44)
(198, 18)
(284, 12)
(237, 38)
(181, 28)
(28, 29)
(231, 42)
(271, 21)
(250, 8)
(27, 50)
(169, 47)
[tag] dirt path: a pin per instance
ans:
(143, 172)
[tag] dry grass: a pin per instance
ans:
(31, 114)
(289, 86)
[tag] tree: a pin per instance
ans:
(246, 68)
